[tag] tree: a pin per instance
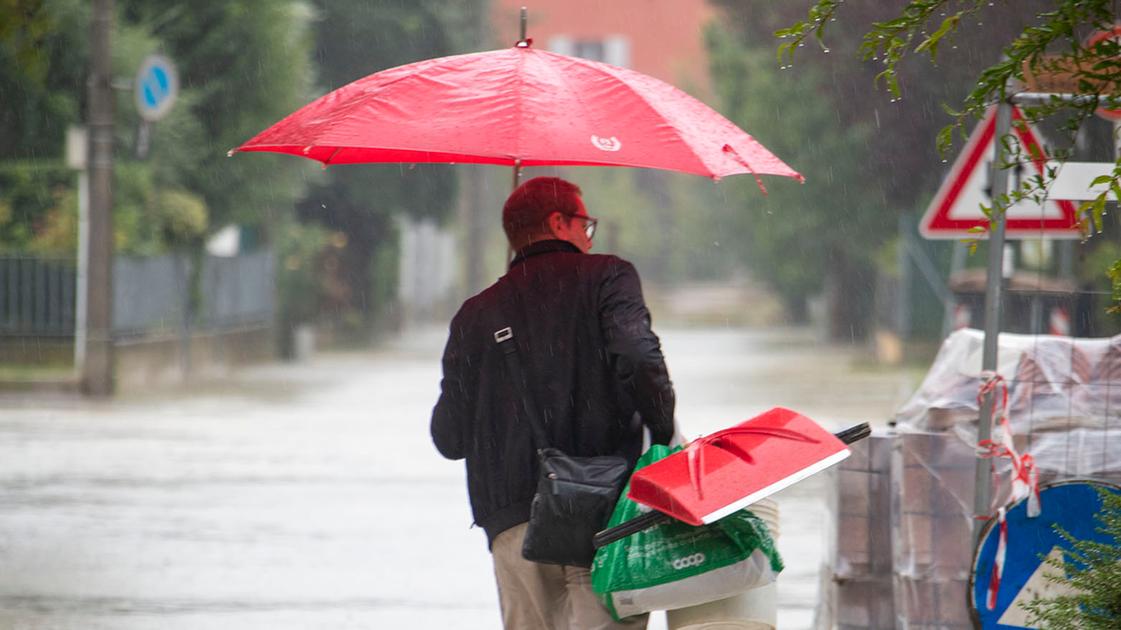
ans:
(904, 126)
(1053, 39)
(43, 65)
(355, 38)
(43, 52)
(893, 165)
(802, 239)
(237, 75)
(243, 64)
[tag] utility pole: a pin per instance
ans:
(97, 369)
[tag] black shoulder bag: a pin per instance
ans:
(575, 495)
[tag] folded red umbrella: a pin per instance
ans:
(518, 107)
(733, 468)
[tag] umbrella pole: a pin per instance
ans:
(521, 38)
(514, 185)
(517, 174)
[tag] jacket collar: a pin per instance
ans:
(544, 247)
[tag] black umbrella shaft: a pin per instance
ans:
(652, 518)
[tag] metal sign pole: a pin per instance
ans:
(982, 497)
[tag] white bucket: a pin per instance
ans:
(751, 610)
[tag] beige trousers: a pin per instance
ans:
(537, 596)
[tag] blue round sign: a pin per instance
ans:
(1073, 506)
(157, 85)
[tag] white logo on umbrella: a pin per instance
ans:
(606, 144)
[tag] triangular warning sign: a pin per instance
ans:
(957, 205)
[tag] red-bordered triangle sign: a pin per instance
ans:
(957, 205)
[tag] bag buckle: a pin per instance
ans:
(503, 335)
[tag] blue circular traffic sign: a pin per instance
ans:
(1030, 542)
(157, 85)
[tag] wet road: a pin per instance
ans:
(309, 496)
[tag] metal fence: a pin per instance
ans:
(150, 294)
(237, 291)
(37, 296)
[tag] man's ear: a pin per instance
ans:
(556, 223)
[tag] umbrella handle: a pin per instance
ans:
(850, 435)
(633, 526)
(854, 433)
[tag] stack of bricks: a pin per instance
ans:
(904, 501)
(860, 569)
(903, 510)
(932, 523)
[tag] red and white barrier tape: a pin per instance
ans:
(998, 562)
(1025, 476)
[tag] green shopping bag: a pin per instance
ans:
(674, 565)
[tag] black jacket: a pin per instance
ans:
(584, 343)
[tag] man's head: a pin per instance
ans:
(547, 208)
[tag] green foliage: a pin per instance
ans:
(243, 64)
(1054, 40)
(30, 191)
(355, 38)
(1114, 274)
(43, 53)
(24, 31)
(673, 227)
(39, 211)
(798, 235)
(182, 217)
(385, 268)
(1093, 569)
(299, 253)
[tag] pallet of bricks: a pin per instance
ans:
(1064, 409)
(857, 579)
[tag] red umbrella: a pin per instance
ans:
(518, 107)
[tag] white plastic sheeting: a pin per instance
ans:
(1064, 409)
(1064, 398)
(857, 587)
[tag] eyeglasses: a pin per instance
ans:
(589, 224)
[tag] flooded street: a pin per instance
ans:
(309, 495)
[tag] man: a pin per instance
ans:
(595, 371)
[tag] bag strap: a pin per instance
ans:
(505, 340)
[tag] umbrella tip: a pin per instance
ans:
(523, 41)
(231, 152)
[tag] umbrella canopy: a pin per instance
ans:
(518, 107)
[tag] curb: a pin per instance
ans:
(41, 386)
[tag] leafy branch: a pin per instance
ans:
(1092, 571)
(1054, 45)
